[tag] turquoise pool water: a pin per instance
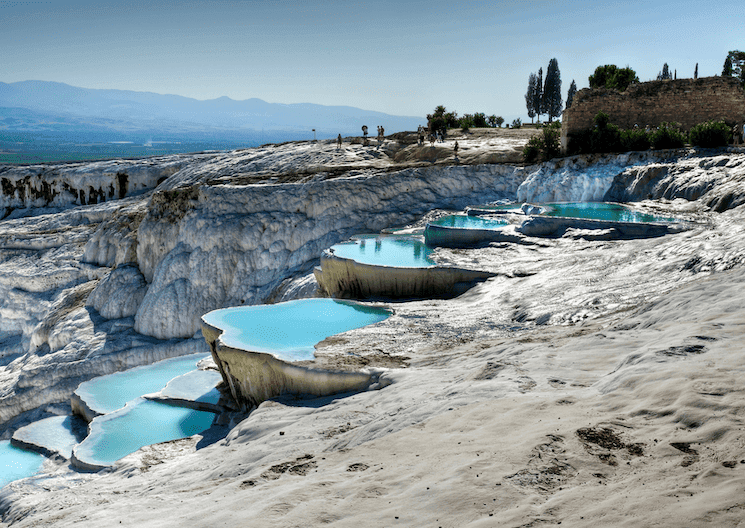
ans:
(291, 329)
(140, 423)
(398, 251)
(109, 393)
(601, 211)
(17, 463)
(469, 222)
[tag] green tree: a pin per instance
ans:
(437, 120)
(479, 120)
(538, 101)
(499, 121)
(611, 76)
(466, 122)
(734, 64)
(492, 119)
(451, 119)
(530, 98)
(552, 101)
(571, 93)
(695, 72)
(727, 70)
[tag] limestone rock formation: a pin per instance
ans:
(573, 333)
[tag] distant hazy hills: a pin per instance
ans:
(49, 106)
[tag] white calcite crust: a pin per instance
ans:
(640, 336)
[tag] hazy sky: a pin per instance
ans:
(401, 57)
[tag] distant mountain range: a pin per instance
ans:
(30, 106)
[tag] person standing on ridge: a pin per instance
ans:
(338, 142)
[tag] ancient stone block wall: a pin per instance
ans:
(684, 101)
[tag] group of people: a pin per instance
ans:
(381, 135)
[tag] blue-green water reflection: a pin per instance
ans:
(108, 393)
(140, 423)
(601, 211)
(17, 463)
(469, 222)
(398, 251)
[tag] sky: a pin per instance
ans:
(400, 57)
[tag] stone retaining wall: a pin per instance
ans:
(684, 101)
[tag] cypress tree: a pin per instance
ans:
(695, 72)
(571, 92)
(530, 96)
(552, 102)
(538, 95)
(727, 70)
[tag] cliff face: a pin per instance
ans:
(71, 184)
(715, 180)
(235, 244)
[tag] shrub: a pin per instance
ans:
(605, 137)
(711, 134)
(635, 139)
(479, 120)
(532, 150)
(543, 146)
(466, 122)
(668, 136)
(517, 123)
(499, 120)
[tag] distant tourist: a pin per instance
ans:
(431, 140)
(365, 142)
(338, 141)
(455, 148)
(420, 132)
(737, 134)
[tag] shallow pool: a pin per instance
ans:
(600, 211)
(109, 393)
(140, 423)
(386, 250)
(17, 463)
(469, 222)
(290, 330)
